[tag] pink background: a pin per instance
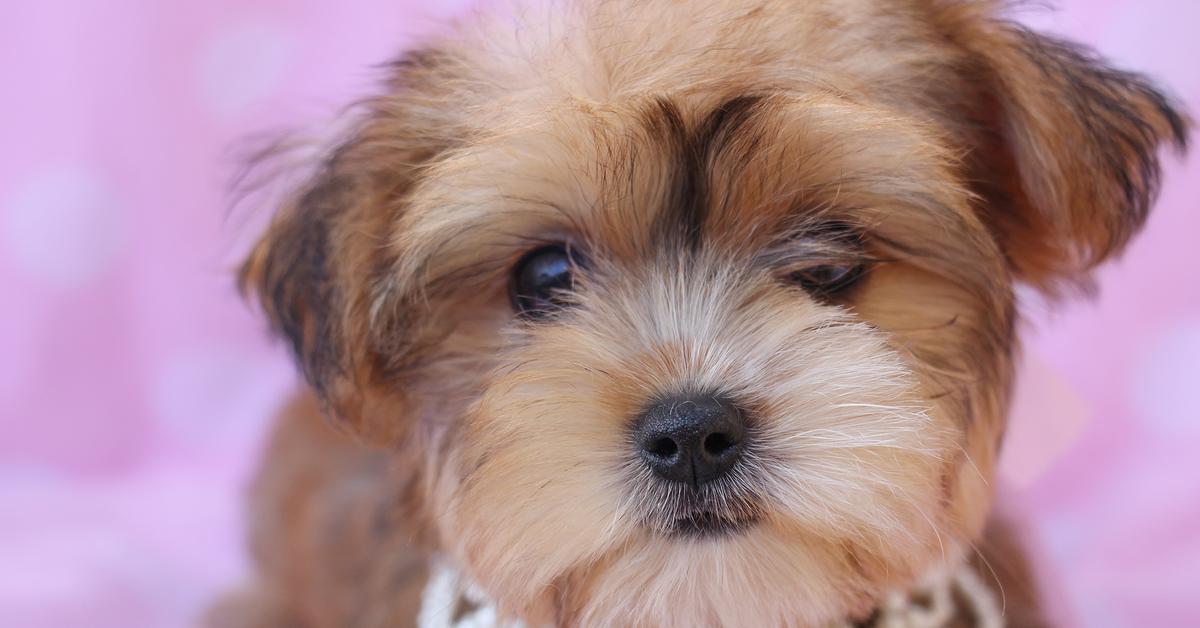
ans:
(135, 386)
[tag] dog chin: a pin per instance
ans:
(716, 572)
(709, 525)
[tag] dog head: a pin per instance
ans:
(703, 313)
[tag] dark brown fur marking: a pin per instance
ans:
(689, 189)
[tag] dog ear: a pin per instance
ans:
(1069, 162)
(320, 271)
(298, 272)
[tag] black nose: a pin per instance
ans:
(691, 439)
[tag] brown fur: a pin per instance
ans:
(696, 155)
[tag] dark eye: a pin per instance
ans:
(541, 281)
(828, 280)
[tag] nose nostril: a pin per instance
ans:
(717, 444)
(690, 439)
(663, 447)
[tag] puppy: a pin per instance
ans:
(654, 313)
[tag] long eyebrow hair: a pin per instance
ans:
(688, 202)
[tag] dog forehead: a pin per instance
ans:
(679, 170)
(607, 52)
(636, 125)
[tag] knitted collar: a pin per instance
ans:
(451, 601)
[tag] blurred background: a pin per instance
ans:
(135, 386)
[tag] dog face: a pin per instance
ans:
(703, 313)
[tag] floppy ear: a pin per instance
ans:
(321, 269)
(1069, 160)
(305, 275)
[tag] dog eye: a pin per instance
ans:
(828, 280)
(541, 281)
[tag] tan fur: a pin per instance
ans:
(966, 152)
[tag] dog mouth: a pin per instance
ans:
(723, 508)
(710, 524)
(715, 510)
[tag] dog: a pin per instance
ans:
(663, 313)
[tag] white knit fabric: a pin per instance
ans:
(448, 591)
(901, 610)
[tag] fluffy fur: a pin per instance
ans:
(695, 155)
